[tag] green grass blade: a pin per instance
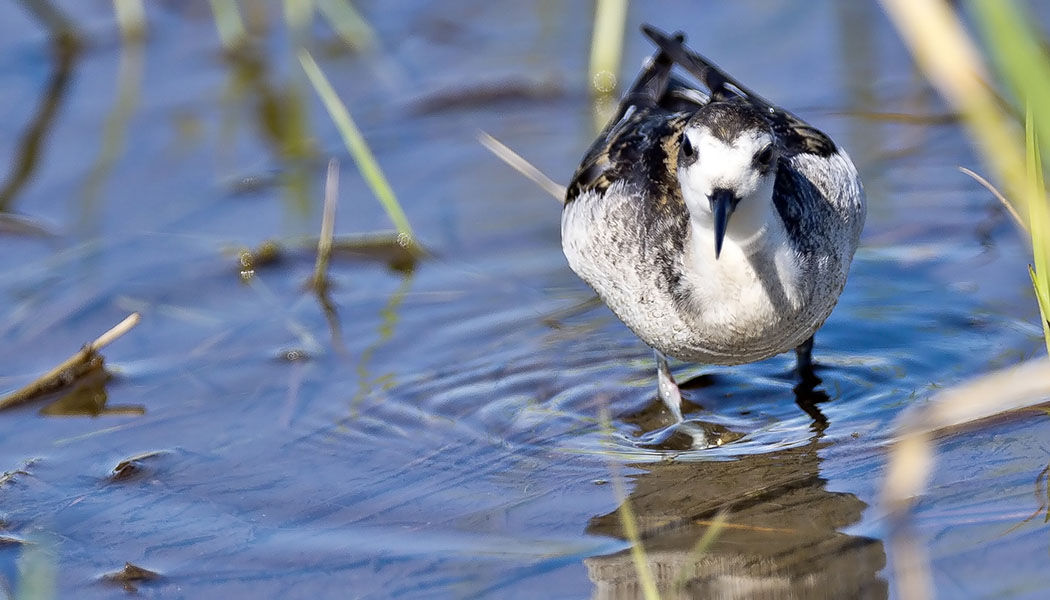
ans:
(607, 44)
(348, 23)
(606, 51)
(1044, 304)
(356, 145)
(638, 555)
(714, 529)
(1038, 222)
(629, 523)
(37, 572)
(1019, 56)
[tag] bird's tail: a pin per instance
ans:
(721, 85)
(649, 87)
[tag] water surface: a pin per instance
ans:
(439, 434)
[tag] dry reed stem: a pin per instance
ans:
(71, 368)
(131, 17)
(998, 196)
(1006, 390)
(911, 456)
(953, 64)
(324, 242)
(519, 164)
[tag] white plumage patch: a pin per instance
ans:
(722, 165)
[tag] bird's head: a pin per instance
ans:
(727, 160)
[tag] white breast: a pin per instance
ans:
(748, 292)
(752, 303)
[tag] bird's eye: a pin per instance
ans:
(687, 147)
(765, 155)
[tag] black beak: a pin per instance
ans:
(723, 202)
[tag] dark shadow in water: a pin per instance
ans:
(65, 48)
(781, 538)
(88, 398)
(807, 397)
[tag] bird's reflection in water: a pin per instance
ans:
(781, 538)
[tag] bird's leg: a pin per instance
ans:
(804, 359)
(669, 393)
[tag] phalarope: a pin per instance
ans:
(718, 227)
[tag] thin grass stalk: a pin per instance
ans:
(714, 529)
(944, 50)
(1007, 205)
(131, 17)
(37, 571)
(324, 241)
(229, 24)
(58, 24)
(114, 134)
(1019, 55)
(629, 522)
(1038, 225)
(519, 164)
(347, 23)
(298, 14)
(630, 530)
(610, 16)
(356, 145)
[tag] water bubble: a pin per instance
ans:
(604, 82)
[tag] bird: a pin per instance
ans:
(714, 224)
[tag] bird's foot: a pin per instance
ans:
(688, 435)
(805, 367)
(667, 388)
(682, 434)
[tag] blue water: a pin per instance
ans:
(447, 438)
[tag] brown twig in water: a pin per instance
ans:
(71, 368)
(519, 164)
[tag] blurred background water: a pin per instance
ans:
(436, 431)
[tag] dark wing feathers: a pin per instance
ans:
(794, 135)
(639, 151)
(640, 142)
(633, 146)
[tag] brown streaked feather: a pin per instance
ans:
(644, 151)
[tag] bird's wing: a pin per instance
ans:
(634, 146)
(794, 135)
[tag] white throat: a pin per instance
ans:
(757, 269)
(754, 220)
(729, 166)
